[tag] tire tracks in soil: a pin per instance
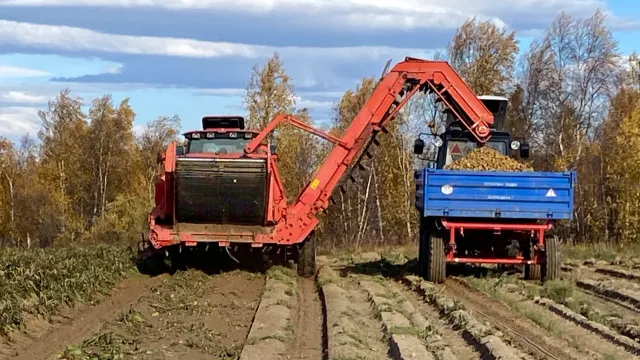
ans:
(461, 346)
(191, 315)
(351, 329)
(84, 320)
(614, 289)
(523, 332)
(308, 323)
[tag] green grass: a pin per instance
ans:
(558, 290)
(600, 251)
(41, 282)
(284, 275)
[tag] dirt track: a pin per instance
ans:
(357, 309)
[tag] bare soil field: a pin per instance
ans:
(367, 306)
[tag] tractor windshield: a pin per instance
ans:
(217, 146)
(457, 149)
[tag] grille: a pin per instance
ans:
(221, 191)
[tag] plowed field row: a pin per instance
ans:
(368, 309)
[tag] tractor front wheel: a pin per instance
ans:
(307, 256)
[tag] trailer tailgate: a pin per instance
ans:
(494, 194)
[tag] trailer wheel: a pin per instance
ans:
(532, 271)
(434, 266)
(307, 256)
(550, 270)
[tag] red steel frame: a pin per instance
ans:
(536, 230)
(293, 223)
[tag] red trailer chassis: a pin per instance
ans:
(536, 231)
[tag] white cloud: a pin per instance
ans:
(240, 92)
(138, 130)
(8, 71)
(34, 92)
(80, 39)
(22, 97)
(381, 14)
(316, 105)
(114, 69)
(221, 92)
(17, 121)
(301, 99)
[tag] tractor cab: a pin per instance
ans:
(456, 142)
(220, 135)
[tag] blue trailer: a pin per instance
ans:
(488, 217)
(492, 217)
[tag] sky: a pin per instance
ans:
(194, 57)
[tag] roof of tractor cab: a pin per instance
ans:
(212, 122)
(221, 124)
(455, 132)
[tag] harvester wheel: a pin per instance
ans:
(532, 271)
(550, 270)
(152, 265)
(307, 256)
(148, 260)
(433, 265)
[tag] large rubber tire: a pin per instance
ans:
(532, 271)
(433, 265)
(307, 256)
(152, 265)
(551, 268)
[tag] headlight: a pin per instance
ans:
(195, 136)
(211, 135)
(437, 142)
(233, 135)
(248, 135)
(515, 145)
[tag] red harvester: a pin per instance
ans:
(223, 187)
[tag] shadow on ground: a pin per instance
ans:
(212, 260)
(390, 270)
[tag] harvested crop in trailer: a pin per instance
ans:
(487, 159)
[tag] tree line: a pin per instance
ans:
(572, 94)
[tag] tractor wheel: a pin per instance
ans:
(432, 264)
(550, 270)
(531, 271)
(307, 256)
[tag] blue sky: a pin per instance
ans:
(194, 57)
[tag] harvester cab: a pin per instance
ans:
(457, 141)
(220, 135)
